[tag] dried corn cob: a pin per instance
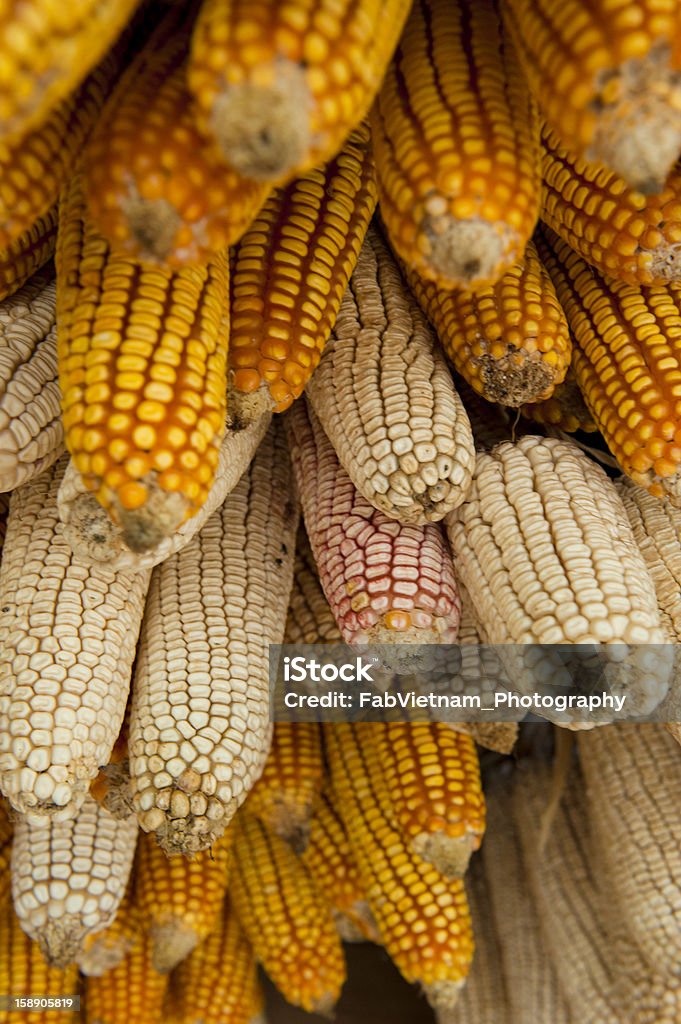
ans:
(565, 409)
(386, 583)
(433, 777)
(281, 87)
(287, 922)
(102, 951)
(112, 788)
(24, 972)
(328, 858)
(94, 537)
(422, 917)
(309, 619)
(31, 434)
(385, 399)
(67, 642)
(132, 992)
(142, 368)
(69, 877)
(218, 983)
(28, 253)
(199, 731)
(6, 833)
(180, 898)
(285, 793)
(510, 341)
(545, 550)
(456, 136)
(289, 273)
(156, 188)
(606, 75)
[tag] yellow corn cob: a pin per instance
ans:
(69, 877)
(510, 341)
(142, 369)
(31, 434)
(565, 409)
(6, 833)
(156, 188)
(627, 361)
(179, 898)
(285, 793)
(606, 75)
(218, 983)
(456, 136)
(433, 777)
(386, 400)
(309, 619)
(101, 952)
(132, 992)
(285, 918)
(24, 972)
(28, 253)
(200, 728)
(67, 641)
(289, 273)
(48, 50)
(328, 858)
(422, 917)
(281, 86)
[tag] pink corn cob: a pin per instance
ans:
(385, 582)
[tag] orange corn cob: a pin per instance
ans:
(285, 793)
(310, 619)
(179, 897)
(132, 992)
(565, 409)
(289, 273)
(614, 228)
(101, 951)
(6, 830)
(27, 253)
(510, 341)
(627, 361)
(606, 75)
(24, 972)
(285, 918)
(456, 136)
(142, 364)
(280, 86)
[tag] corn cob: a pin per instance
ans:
(101, 952)
(31, 435)
(384, 397)
(6, 833)
(281, 87)
(289, 273)
(67, 642)
(509, 341)
(456, 136)
(24, 972)
(329, 860)
(626, 361)
(385, 582)
(180, 898)
(28, 253)
(606, 75)
(112, 788)
(132, 992)
(284, 795)
(199, 731)
(545, 550)
(565, 409)
(422, 917)
(94, 537)
(69, 877)
(309, 619)
(285, 918)
(218, 983)
(156, 188)
(142, 368)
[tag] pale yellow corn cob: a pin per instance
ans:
(199, 730)
(6, 833)
(94, 537)
(69, 877)
(310, 619)
(67, 643)
(132, 992)
(545, 550)
(101, 951)
(386, 400)
(31, 434)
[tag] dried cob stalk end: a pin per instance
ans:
(248, 400)
(443, 995)
(450, 856)
(172, 943)
(153, 223)
(148, 512)
(469, 253)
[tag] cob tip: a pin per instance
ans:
(172, 943)
(450, 855)
(466, 252)
(153, 223)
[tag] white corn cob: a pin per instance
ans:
(67, 641)
(94, 537)
(544, 547)
(31, 434)
(199, 727)
(386, 399)
(69, 877)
